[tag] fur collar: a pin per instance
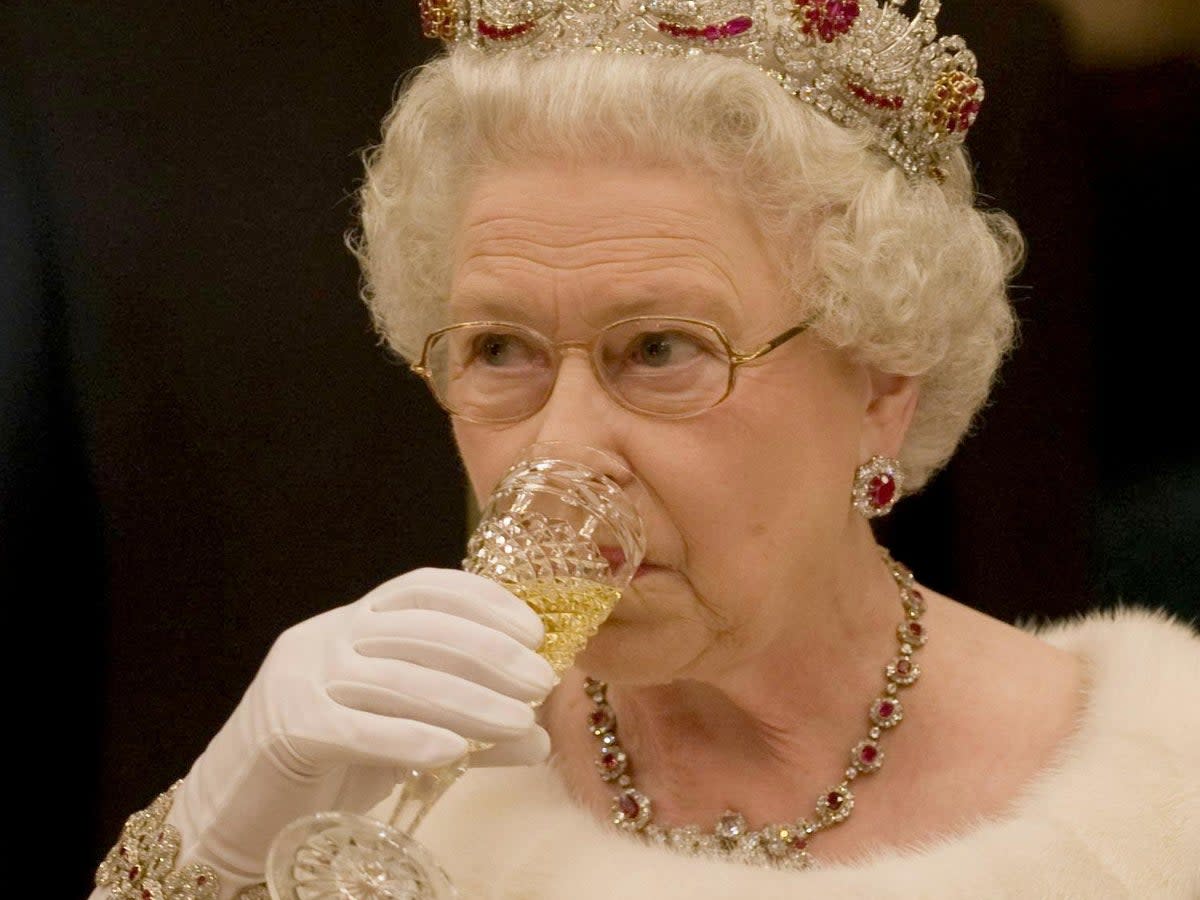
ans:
(1117, 815)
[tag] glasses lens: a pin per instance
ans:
(490, 372)
(665, 367)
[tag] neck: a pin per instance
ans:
(763, 735)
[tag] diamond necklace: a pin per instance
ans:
(780, 845)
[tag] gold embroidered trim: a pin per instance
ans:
(141, 865)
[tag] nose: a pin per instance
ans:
(580, 414)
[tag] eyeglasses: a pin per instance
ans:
(670, 368)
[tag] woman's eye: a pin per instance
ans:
(664, 348)
(502, 350)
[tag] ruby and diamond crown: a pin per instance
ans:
(864, 63)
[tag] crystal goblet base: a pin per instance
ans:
(346, 856)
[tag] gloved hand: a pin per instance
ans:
(347, 702)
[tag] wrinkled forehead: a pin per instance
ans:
(599, 241)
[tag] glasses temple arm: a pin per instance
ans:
(739, 358)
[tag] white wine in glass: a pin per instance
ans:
(562, 531)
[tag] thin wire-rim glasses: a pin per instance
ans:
(437, 344)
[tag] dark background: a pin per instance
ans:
(201, 441)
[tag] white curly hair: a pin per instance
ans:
(910, 277)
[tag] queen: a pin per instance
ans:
(736, 247)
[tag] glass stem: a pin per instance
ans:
(421, 790)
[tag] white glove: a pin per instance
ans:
(349, 701)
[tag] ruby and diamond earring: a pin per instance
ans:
(878, 485)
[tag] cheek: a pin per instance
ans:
(486, 453)
(713, 491)
(746, 486)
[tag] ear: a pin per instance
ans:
(889, 412)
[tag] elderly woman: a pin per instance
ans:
(734, 246)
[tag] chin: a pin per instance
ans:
(633, 653)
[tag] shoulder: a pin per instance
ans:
(1141, 665)
(1116, 626)
(1118, 622)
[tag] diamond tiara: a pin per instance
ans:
(865, 64)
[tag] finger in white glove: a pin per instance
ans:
(349, 701)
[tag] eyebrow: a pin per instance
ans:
(697, 304)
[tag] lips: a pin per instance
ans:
(614, 555)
